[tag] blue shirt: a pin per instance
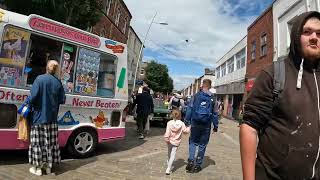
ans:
(46, 95)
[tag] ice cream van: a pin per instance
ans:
(93, 72)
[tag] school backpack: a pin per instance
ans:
(175, 102)
(202, 109)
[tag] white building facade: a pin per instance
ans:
(284, 12)
(134, 44)
(230, 78)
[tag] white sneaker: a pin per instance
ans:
(141, 136)
(35, 171)
(48, 170)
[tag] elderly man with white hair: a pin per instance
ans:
(47, 94)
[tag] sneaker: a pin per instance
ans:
(35, 171)
(141, 136)
(197, 169)
(189, 167)
(48, 170)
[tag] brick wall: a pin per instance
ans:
(264, 24)
(106, 27)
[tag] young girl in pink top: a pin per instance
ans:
(173, 134)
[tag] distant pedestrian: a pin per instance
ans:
(145, 107)
(47, 94)
(201, 113)
(173, 136)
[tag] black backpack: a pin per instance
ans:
(175, 102)
(279, 77)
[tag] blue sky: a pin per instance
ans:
(212, 28)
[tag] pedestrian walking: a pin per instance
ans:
(145, 107)
(283, 110)
(173, 136)
(201, 113)
(47, 94)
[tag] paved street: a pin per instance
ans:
(137, 159)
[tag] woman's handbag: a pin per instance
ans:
(23, 129)
(23, 124)
(25, 109)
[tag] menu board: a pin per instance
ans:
(13, 56)
(87, 72)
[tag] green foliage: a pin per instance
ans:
(157, 77)
(78, 13)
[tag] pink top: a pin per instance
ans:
(174, 131)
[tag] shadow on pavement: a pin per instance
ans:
(11, 157)
(179, 163)
(72, 164)
(207, 161)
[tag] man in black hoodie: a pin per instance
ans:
(144, 108)
(288, 128)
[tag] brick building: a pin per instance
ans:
(259, 46)
(115, 22)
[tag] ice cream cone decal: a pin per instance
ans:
(121, 79)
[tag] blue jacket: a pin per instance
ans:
(46, 95)
(214, 118)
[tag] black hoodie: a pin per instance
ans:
(288, 146)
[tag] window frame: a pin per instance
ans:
(230, 63)
(253, 50)
(263, 44)
(108, 6)
(118, 15)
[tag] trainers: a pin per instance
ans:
(197, 169)
(35, 171)
(48, 170)
(189, 167)
(141, 136)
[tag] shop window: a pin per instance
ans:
(107, 73)
(42, 50)
(67, 67)
(13, 56)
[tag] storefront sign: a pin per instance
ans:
(46, 26)
(249, 85)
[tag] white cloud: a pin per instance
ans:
(209, 25)
(182, 81)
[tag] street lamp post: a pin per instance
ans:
(140, 52)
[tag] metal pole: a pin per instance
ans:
(144, 40)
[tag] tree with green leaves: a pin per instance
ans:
(157, 77)
(78, 13)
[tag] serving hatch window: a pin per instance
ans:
(95, 73)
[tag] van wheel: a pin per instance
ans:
(82, 143)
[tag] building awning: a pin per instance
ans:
(249, 84)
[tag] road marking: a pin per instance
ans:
(141, 156)
(230, 139)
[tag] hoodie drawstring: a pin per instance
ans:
(299, 79)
